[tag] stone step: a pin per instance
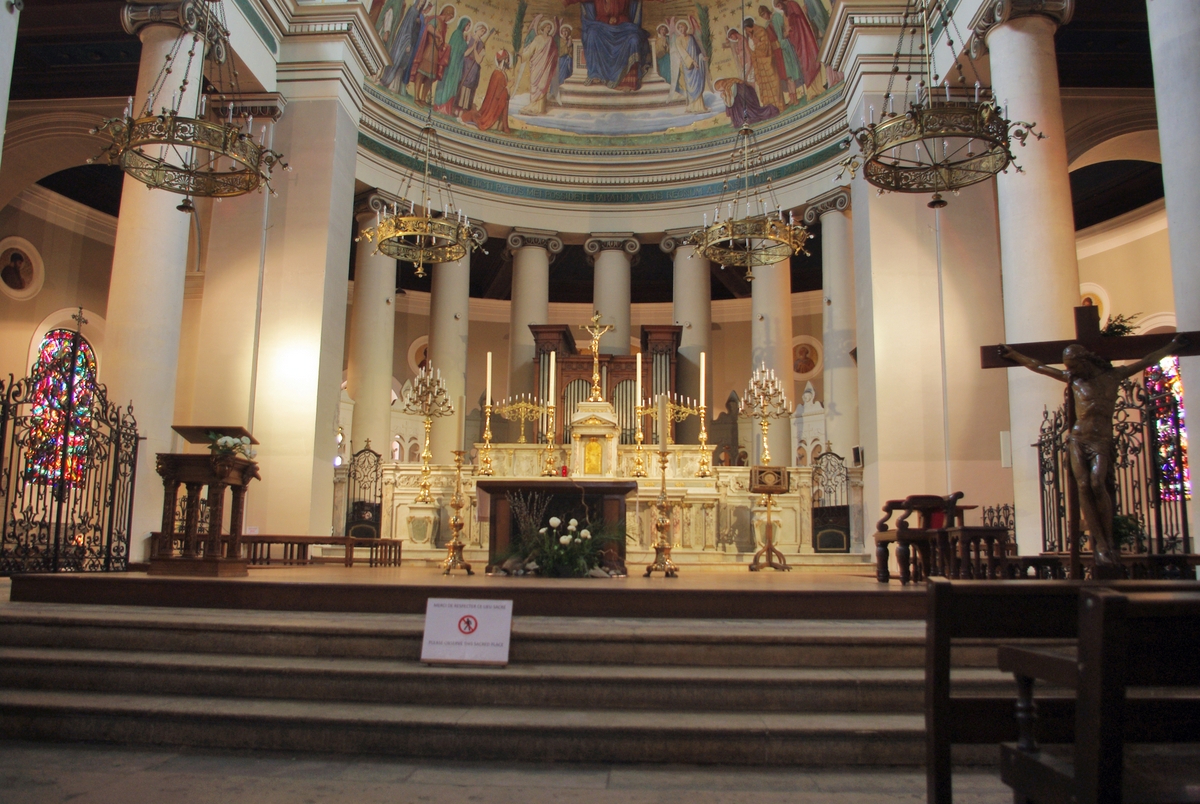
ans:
(478, 733)
(604, 687)
(535, 640)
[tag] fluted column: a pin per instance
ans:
(613, 254)
(840, 375)
(771, 345)
(449, 300)
(10, 15)
(532, 251)
(1037, 229)
(372, 323)
(691, 297)
(145, 299)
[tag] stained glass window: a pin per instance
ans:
(1166, 391)
(60, 426)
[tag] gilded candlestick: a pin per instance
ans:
(639, 462)
(426, 396)
(764, 400)
(704, 469)
(662, 526)
(485, 454)
(454, 550)
(549, 468)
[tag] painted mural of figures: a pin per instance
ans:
(445, 98)
(403, 47)
(818, 15)
(741, 54)
(433, 53)
(662, 53)
(494, 111)
(472, 65)
(762, 55)
(566, 58)
(615, 46)
(741, 103)
(386, 15)
(693, 65)
(541, 55)
(800, 33)
(792, 76)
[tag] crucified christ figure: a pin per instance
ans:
(1094, 384)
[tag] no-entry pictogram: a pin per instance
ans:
(468, 624)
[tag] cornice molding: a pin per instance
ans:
(64, 213)
(998, 12)
(261, 105)
(836, 200)
(348, 20)
(192, 16)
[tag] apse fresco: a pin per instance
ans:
(665, 69)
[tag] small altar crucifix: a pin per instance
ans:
(596, 331)
(1094, 385)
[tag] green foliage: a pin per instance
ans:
(1127, 531)
(518, 26)
(705, 31)
(1119, 325)
(529, 512)
(568, 549)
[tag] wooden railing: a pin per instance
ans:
(296, 550)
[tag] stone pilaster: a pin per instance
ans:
(839, 338)
(532, 251)
(612, 254)
(771, 346)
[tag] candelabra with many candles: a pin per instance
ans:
(426, 397)
(765, 400)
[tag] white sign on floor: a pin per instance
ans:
(467, 631)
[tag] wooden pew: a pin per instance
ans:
(295, 549)
(1149, 639)
(996, 611)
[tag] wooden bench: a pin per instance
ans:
(991, 612)
(1149, 639)
(940, 543)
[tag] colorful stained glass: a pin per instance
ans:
(1166, 392)
(61, 414)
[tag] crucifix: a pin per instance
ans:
(1094, 384)
(596, 331)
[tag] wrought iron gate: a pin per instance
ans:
(364, 494)
(67, 464)
(831, 504)
(1147, 432)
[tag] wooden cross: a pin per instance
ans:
(596, 331)
(1087, 333)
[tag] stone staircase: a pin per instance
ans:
(809, 692)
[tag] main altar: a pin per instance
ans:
(593, 423)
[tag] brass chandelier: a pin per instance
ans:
(949, 135)
(753, 231)
(194, 156)
(430, 230)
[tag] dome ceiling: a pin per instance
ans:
(590, 89)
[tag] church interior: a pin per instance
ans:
(697, 329)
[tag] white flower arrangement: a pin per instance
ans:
(231, 445)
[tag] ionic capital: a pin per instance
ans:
(998, 12)
(260, 105)
(536, 238)
(192, 16)
(611, 241)
(369, 203)
(674, 238)
(836, 200)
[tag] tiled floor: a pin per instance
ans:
(33, 773)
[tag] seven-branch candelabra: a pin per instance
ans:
(426, 397)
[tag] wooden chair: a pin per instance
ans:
(1134, 640)
(914, 566)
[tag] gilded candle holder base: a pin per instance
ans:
(704, 466)
(662, 524)
(454, 550)
(485, 453)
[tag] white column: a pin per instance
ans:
(10, 15)
(691, 297)
(449, 300)
(613, 255)
(1037, 235)
(145, 302)
(372, 325)
(771, 345)
(840, 375)
(1175, 44)
(530, 302)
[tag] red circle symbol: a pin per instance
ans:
(468, 624)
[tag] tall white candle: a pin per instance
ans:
(662, 421)
(639, 380)
(552, 378)
(487, 399)
(702, 356)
